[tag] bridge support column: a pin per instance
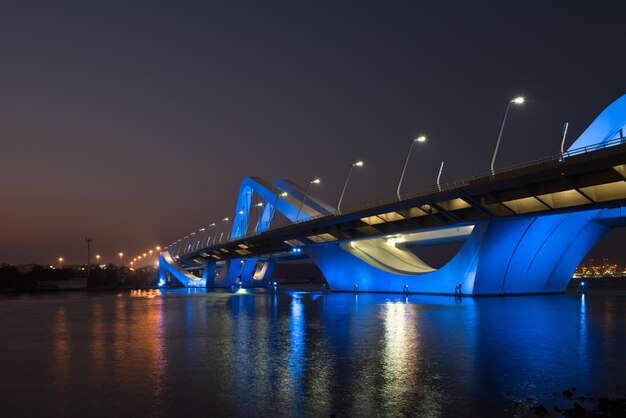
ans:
(253, 276)
(262, 278)
(168, 265)
(208, 273)
(230, 271)
(247, 271)
(522, 255)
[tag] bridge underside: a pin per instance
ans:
(523, 255)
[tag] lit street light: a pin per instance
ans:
(345, 184)
(258, 205)
(518, 101)
(208, 241)
(61, 263)
(98, 259)
(420, 139)
(306, 192)
(283, 194)
(218, 229)
(121, 259)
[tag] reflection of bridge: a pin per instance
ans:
(524, 229)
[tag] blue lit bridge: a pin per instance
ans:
(523, 229)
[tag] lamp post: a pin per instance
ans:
(200, 241)
(121, 254)
(240, 213)
(218, 230)
(420, 139)
(98, 259)
(88, 240)
(306, 192)
(258, 218)
(61, 263)
(563, 135)
(283, 194)
(208, 241)
(518, 100)
(345, 184)
(439, 176)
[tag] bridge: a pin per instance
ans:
(523, 229)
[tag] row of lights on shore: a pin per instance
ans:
(121, 256)
(144, 256)
(420, 139)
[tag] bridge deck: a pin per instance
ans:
(589, 180)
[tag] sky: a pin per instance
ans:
(135, 122)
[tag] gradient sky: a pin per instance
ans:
(135, 124)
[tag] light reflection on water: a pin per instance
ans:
(256, 353)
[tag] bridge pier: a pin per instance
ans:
(247, 271)
(208, 273)
(229, 273)
(533, 254)
(168, 265)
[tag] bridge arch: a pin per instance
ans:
(282, 195)
(606, 126)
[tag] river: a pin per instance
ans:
(304, 353)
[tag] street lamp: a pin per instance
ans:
(518, 101)
(258, 218)
(98, 259)
(208, 241)
(121, 259)
(240, 213)
(61, 263)
(306, 192)
(218, 229)
(420, 139)
(283, 194)
(345, 184)
(88, 240)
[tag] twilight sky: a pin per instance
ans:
(135, 123)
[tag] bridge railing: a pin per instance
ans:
(449, 185)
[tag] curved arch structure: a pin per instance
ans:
(512, 254)
(187, 279)
(605, 126)
(283, 196)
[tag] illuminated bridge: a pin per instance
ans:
(524, 229)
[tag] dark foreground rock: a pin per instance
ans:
(606, 408)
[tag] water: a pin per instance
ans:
(303, 353)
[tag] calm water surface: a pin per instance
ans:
(295, 353)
